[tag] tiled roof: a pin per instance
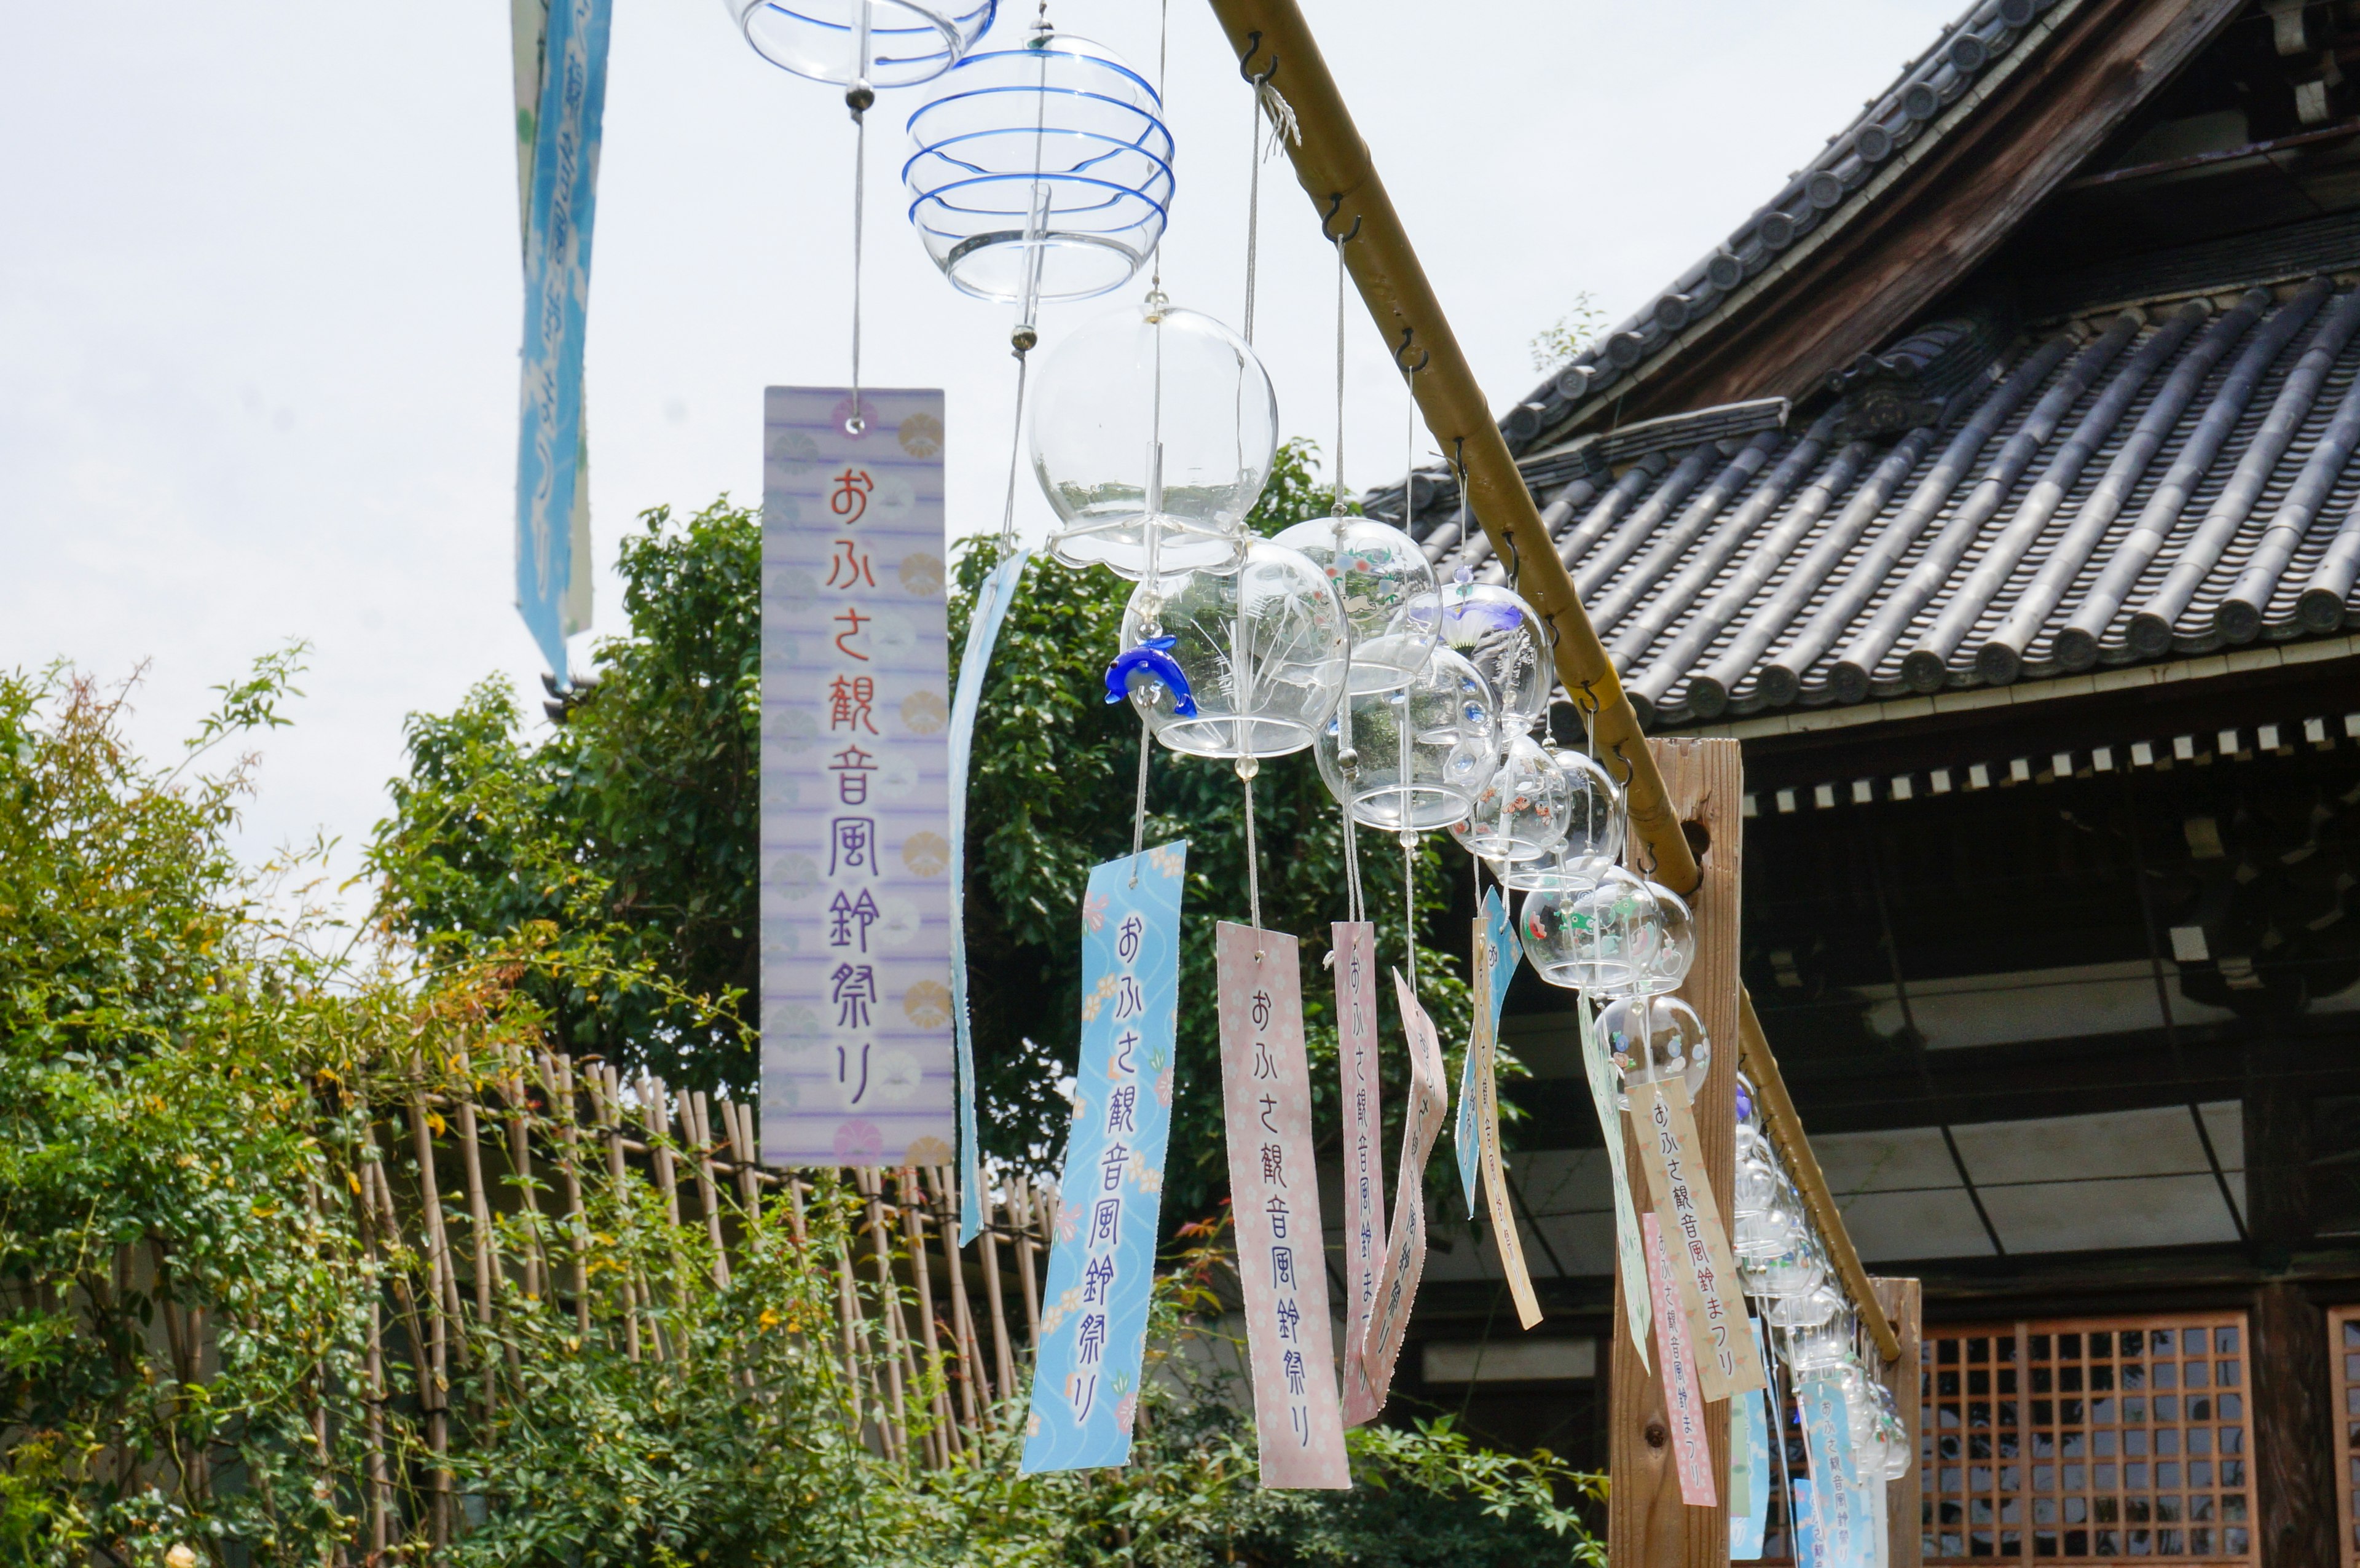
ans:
(1933, 92)
(2131, 487)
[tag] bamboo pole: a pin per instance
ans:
(605, 1097)
(1274, 46)
(558, 1072)
(974, 1392)
(888, 1312)
(913, 1230)
(521, 1163)
(1003, 1359)
(708, 1191)
(1020, 1192)
(443, 1313)
(479, 1225)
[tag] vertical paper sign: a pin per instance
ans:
(1840, 1522)
(1631, 1254)
(1275, 1196)
(1702, 1261)
(1749, 1466)
(991, 601)
(1406, 1240)
(1495, 959)
(1683, 1402)
(1811, 1546)
(1355, 950)
(1496, 933)
(856, 856)
(561, 193)
(1102, 1264)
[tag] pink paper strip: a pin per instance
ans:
(1690, 1450)
(1405, 1243)
(1355, 949)
(1274, 1199)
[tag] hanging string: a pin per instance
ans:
(1254, 207)
(1139, 808)
(1022, 339)
(1353, 903)
(1409, 904)
(1340, 508)
(1246, 768)
(858, 97)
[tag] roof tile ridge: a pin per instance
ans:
(1685, 476)
(1650, 684)
(2000, 657)
(2151, 632)
(2240, 615)
(1858, 660)
(2077, 642)
(1925, 666)
(1748, 462)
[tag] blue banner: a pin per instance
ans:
(1843, 1520)
(561, 213)
(1507, 951)
(991, 601)
(1102, 1264)
(1749, 1464)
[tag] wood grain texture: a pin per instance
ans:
(1904, 1536)
(2294, 1432)
(1945, 214)
(1647, 1524)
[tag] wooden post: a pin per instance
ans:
(2294, 1436)
(1904, 1534)
(1647, 1524)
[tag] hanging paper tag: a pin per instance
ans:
(991, 601)
(1840, 1518)
(1355, 949)
(1102, 1264)
(1274, 1198)
(1630, 1250)
(858, 1055)
(1749, 1466)
(1493, 953)
(1495, 932)
(1405, 1241)
(1683, 1404)
(1466, 1136)
(1702, 1264)
(1811, 1547)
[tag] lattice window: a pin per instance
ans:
(2344, 1357)
(2088, 1440)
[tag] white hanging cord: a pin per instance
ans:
(1338, 505)
(1139, 808)
(1353, 903)
(1247, 768)
(1409, 904)
(858, 97)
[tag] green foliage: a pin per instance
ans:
(634, 823)
(1557, 344)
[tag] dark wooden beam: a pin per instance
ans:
(1918, 240)
(2294, 1438)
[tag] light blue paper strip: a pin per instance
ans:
(1843, 1523)
(1749, 1467)
(565, 203)
(1507, 951)
(1103, 1261)
(991, 601)
(1809, 1550)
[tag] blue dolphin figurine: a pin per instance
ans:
(1151, 660)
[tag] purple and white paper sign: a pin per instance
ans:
(1274, 1197)
(856, 1044)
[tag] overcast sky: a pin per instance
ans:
(260, 295)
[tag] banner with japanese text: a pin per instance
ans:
(1355, 957)
(1102, 1263)
(560, 57)
(1405, 1265)
(1274, 1198)
(1683, 1402)
(1702, 1264)
(1842, 1513)
(855, 862)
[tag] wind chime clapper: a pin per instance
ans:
(1277, 50)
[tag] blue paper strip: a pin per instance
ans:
(991, 601)
(1102, 1262)
(1507, 952)
(556, 297)
(1749, 1479)
(1843, 1520)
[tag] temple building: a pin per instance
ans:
(1995, 485)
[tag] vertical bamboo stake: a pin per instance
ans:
(913, 1228)
(512, 1089)
(888, 1311)
(970, 1355)
(1003, 1359)
(738, 1123)
(381, 1482)
(479, 1225)
(1020, 1192)
(707, 1192)
(569, 1168)
(441, 1313)
(605, 1104)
